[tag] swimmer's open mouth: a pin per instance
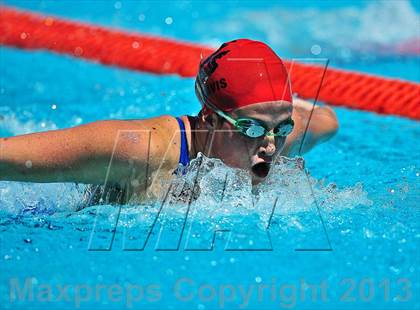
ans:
(261, 169)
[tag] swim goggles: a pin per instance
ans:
(247, 126)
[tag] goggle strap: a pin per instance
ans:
(207, 102)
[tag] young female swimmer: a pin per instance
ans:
(248, 117)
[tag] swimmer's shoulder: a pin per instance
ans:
(314, 124)
(164, 138)
(162, 124)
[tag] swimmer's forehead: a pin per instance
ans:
(268, 112)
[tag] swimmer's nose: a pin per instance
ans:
(268, 148)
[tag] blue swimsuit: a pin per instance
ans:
(184, 158)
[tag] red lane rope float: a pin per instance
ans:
(133, 51)
(164, 56)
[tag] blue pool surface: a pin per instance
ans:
(343, 236)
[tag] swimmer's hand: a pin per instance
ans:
(89, 154)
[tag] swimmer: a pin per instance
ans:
(248, 117)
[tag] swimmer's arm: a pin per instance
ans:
(79, 154)
(323, 125)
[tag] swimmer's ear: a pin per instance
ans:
(205, 118)
(211, 120)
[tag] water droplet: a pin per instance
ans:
(368, 233)
(23, 35)
(213, 263)
(117, 5)
(49, 21)
(78, 51)
(54, 106)
(258, 279)
(28, 164)
(345, 231)
(135, 44)
(135, 183)
(232, 260)
(142, 17)
(166, 65)
(394, 270)
(316, 49)
(169, 20)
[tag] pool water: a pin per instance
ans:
(343, 233)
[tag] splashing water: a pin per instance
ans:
(213, 191)
(218, 190)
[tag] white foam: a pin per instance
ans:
(217, 192)
(221, 191)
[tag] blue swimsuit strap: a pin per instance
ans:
(184, 157)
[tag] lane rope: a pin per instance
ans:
(153, 54)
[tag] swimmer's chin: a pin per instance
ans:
(256, 180)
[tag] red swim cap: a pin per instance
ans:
(240, 73)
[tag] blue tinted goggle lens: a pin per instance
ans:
(284, 129)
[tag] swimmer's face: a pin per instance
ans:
(252, 154)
